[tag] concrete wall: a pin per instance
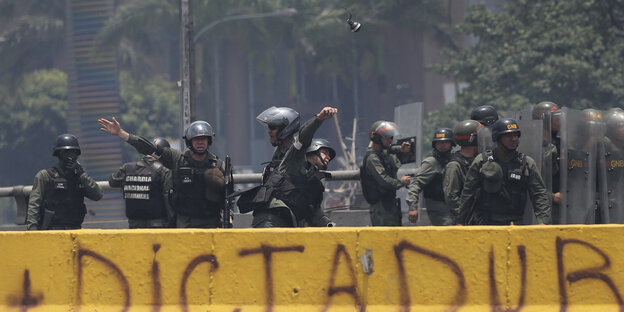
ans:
(532, 268)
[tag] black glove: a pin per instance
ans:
(73, 167)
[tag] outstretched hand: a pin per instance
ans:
(326, 113)
(112, 127)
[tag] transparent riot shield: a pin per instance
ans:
(578, 164)
(611, 181)
(484, 139)
(534, 142)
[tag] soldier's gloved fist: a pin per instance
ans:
(73, 166)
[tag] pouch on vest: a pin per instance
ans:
(186, 175)
(257, 197)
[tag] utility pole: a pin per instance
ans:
(187, 66)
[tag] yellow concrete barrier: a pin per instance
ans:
(532, 268)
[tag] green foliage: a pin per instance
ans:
(149, 108)
(568, 52)
(32, 116)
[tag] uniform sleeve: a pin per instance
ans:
(145, 147)
(35, 200)
(379, 174)
(424, 175)
(306, 134)
(452, 186)
(116, 179)
(538, 194)
(92, 190)
(472, 185)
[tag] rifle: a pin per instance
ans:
(229, 189)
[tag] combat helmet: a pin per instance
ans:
(542, 108)
(382, 128)
(66, 142)
(442, 135)
(465, 132)
(614, 123)
(485, 114)
(160, 144)
(196, 129)
(503, 126)
(284, 118)
(317, 144)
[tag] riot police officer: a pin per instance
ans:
(198, 196)
(378, 175)
(497, 183)
(548, 112)
(428, 179)
(465, 135)
(291, 192)
(145, 186)
(318, 156)
(57, 197)
(613, 180)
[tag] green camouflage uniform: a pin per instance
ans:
(454, 177)
(387, 211)
(292, 161)
(40, 191)
(170, 158)
(428, 178)
(489, 206)
(116, 180)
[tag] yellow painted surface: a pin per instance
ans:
(534, 268)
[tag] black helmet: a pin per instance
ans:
(161, 142)
(466, 132)
(504, 125)
(320, 143)
(485, 114)
(66, 142)
(285, 118)
(382, 128)
(542, 108)
(196, 129)
(441, 135)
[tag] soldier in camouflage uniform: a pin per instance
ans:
(497, 183)
(292, 191)
(57, 198)
(145, 185)
(429, 179)
(379, 175)
(465, 135)
(198, 197)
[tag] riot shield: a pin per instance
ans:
(578, 163)
(534, 142)
(484, 139)
(611, 181)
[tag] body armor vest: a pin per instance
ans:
(510, 200)
(142, 190)
(301, 193)
(371, 191)
(464, 163)
(189, 198)
(65, 197)
(433, 190)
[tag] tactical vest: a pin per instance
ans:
(142, 190)
(189, 197)
(65, 197)
(510, 200)
(433, 190)
(301, 193)
(370, 189)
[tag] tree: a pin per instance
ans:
(568, 52)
